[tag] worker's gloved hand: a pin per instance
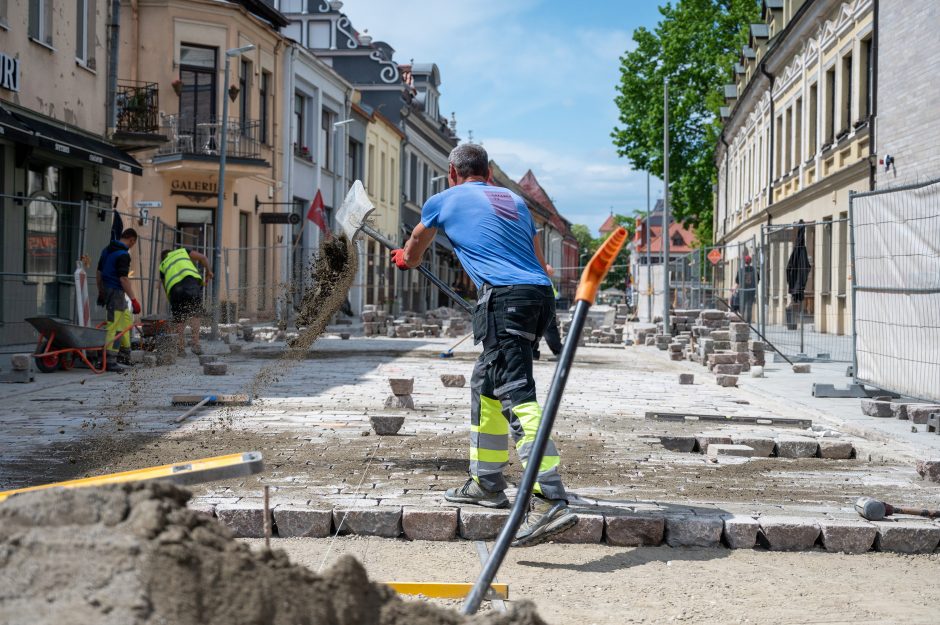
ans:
(398, 259)
(135, 306)
(101, 301)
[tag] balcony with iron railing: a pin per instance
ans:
(137, 106)
(200, 139)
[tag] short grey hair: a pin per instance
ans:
(470, 159)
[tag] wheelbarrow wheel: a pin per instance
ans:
(66, 361)
(47, 364)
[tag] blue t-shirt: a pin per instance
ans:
(491, 230)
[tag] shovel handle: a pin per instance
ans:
(599, 265)
(386, 242)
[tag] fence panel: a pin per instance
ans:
(806, 312)
(896, 235)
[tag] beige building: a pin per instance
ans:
(56, 165)
(382, 182)
(796, 141)
(171, 91)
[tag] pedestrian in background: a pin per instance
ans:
(113, 281)
(746, 283)
(183, 284)
(495, 239)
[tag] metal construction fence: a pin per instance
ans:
(896, 290)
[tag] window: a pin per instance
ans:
(788, 137)
(413, 179)
(263, 105)
(198, 73)
(318, 35)
(843, 253)
(85, 21)
(425, 180)
(300, 109)
(3, 13)
(812, 118)
(778, 157)
(846, 96)
(392, 178)
(798, 134)
(865, 82)
(354, 161)
(326, 139)
(244, 95)
(40, 21)
(383, 178)
(826, 286)
(371, 175)
(829, 130)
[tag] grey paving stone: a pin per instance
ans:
(387, 425)
(295, 521)
(781, 533)
(400, 402)
(429, 524)
(740, 532)
(918, 413)
(215, 368)
(402, 386)
(375, 521)
(743, 451)
(847, 536)
(704, 440)
(836, 449)
(684, 444)
(634, 530)
(205, 359)
(693, 531)
(478, 524)
(763, 447)
(796, 447)
(877, 408)
(453, 381)
(929, 470)
(246, 520)
(590, 529)
(907, 536)
(686, 378)
(726, 381)
(802, 367)
(734, 369)
(21, 362)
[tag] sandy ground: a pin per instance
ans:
(596, 584)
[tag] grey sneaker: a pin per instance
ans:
(471, 492)
(545, 519)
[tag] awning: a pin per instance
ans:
(73, 144)
(12, 128)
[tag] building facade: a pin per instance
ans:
(796, 140)
(57, 167)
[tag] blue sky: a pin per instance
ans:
(535, 81)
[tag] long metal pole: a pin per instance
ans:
(220, 205)
(666, 325)
(649, 267)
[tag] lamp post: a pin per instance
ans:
(666, 298)
(220, 200)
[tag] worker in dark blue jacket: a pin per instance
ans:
(113, 280)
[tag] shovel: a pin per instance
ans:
(351, 218)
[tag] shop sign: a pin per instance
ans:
(9, 72)
(195, 190)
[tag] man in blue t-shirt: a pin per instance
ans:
(495, 239)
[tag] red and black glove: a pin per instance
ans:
(135, 306)
(398, 259)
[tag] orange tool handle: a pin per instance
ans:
(600, 264)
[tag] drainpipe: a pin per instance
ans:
(770, 157)
(727, 149)
(873, 85)
(114, 41)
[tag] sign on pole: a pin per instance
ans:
(715, 256)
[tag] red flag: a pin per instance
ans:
(316, 213)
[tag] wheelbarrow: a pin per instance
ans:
(60, 342)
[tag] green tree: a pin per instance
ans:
(588, 244)
(694, 45)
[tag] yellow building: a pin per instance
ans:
(382, 182)
(173, 52)
(795, 142)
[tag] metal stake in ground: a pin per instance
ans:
(590, 282)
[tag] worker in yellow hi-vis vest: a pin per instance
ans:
(183, 284)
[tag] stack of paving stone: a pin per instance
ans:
(757, 353)
(683, 320)
(373, 320)
(886, 407)
(607, 335)
(434, 323)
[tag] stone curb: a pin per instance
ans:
(620, 529)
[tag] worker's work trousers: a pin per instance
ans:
(502, 390)
(119, 319)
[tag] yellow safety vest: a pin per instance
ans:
(176, 266)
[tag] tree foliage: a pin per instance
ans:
(588, 244)
(694, 45)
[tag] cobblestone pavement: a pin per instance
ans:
(311, 422)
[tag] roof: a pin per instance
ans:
(656, 230)
(609, 225)
(531, 185)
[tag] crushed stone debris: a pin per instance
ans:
(133, 554)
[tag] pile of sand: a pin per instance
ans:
(134, 554)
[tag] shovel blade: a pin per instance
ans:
(354, 210)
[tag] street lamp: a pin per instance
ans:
(220, 200)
